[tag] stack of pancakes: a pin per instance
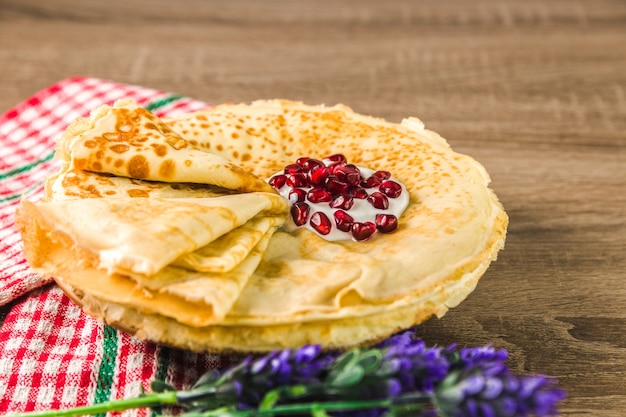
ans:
(166, 228)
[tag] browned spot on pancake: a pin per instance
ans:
(80, 163)
(99, 154)
(204, 125)
(219, 147)
(90, 144)
(119, 148)
(167, 168)
(113, 136)
(118, 163)
(93, 190)
(70, 180)
(235, 154)
(246, 157)
(159, 149)
(194, 142)
(96, 166)
(235, 135)
(187, 163)
(110, 192)
(138, 167)
(138, 193)
(150, 126)
(201, 117)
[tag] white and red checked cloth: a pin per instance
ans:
(52, 355)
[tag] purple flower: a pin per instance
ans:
(414, 366)
(481, 385)
(406, 377)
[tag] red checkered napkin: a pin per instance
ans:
(53, 356)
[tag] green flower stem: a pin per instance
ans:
(169, 398)
(306, 408)
(147, 400)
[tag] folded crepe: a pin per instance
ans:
(127, 140)
(129, 237)
(131, 265)
(285, 288)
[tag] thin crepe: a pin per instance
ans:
(132, 238)
(127, 140)
(192, 298)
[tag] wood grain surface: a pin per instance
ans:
(535, 90)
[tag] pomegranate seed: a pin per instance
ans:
(390, 189)
(337, 158)
(311, 164)
(378, 200)
(344, 202)
(277, 181)
(300, 213)
(362, 231)
(386, 223)
(349, 174)
(334, 166)
(320, 222)
(318, 175)
(343, 220)
(371, 182)
(296, 195)
(292, 169)
(318, 195)
(382, 175)
(301, 161)
(358, 192)
(297, 180)
(335, 186)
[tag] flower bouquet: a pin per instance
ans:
(398, 377)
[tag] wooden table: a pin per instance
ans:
(535, 90)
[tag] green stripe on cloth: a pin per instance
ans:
(19, 195)
(28, 167)
(107, 367)
(162, 102)
(161, 374)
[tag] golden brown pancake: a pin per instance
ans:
(303, 289)
(129, 141)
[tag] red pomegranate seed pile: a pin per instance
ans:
(338, 184)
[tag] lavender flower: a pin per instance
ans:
(481, 385)
(411, 364)
(410, 377)
(400, 377)
(248, 383)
